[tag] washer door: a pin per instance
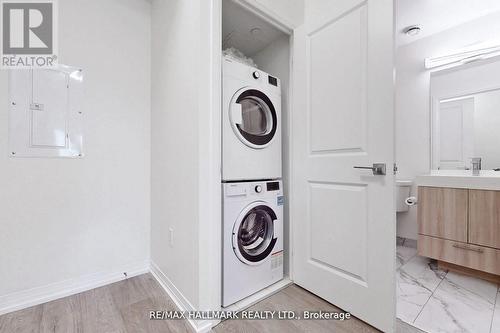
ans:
(253, 233)
(253, 118)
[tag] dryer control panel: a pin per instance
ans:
(251, 75)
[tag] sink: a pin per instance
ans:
(487, 179)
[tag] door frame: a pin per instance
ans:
(286, 27)
(210, 195)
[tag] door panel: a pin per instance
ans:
(344, 218)
(443, 212)
(346, 205)
(339, 131)
(484, 218)
(50, 116)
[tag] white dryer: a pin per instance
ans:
(252, 238)
(251, 123)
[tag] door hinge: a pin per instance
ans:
(395, 168)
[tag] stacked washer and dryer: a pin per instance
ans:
(252, 189)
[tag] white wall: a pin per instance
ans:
(175, 143)
(413, 100)
(209, 194)
(63, 219)
(185, 146)
(275, 60)
(487, 128)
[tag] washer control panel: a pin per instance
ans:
(258, 188)
(273, 186)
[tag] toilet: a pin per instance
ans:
(403, 188)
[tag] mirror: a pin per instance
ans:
(464, 127)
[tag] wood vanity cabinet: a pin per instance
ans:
(460, 227)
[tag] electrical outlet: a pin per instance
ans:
(171, 236)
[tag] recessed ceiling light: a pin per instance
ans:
(412, 30)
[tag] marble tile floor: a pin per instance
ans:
(438, 301)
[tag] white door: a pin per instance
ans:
(344, 218)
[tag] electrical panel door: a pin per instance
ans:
(46, 112)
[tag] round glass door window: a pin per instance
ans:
(253, 240)
(257, 125)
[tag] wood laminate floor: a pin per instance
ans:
(124, 307)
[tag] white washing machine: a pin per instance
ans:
(251, 123)
(252, 238)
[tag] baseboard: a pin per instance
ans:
(31, 297)
(182, 303)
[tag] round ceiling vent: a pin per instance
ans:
(412, 30)
(255, 31)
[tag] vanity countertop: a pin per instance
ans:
(487, 180)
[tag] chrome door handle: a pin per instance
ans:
(379, 169)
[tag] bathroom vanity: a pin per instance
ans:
(459, 220)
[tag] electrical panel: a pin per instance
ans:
(46, 116)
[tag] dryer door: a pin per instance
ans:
(253, 118)
(253, 233)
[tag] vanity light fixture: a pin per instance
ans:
(463, 57)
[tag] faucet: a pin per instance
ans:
(476, 166)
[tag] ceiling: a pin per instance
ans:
(438, 15)
(237, 24)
